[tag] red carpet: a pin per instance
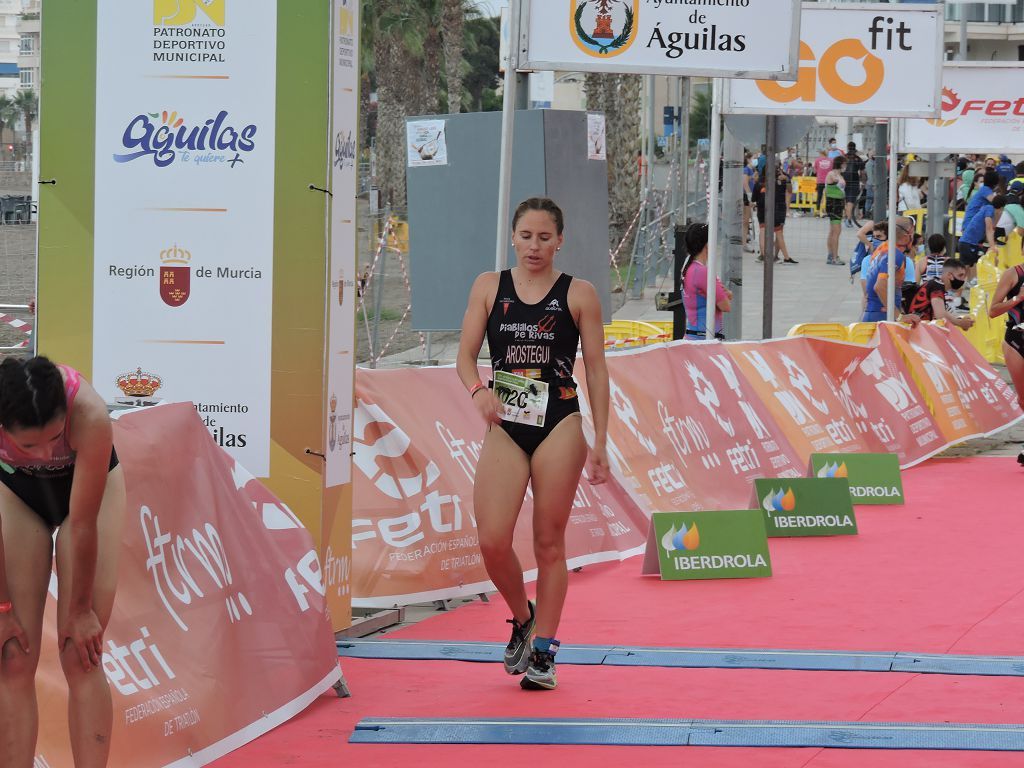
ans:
(942, 574)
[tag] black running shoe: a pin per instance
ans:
(517, 652)
(541, 674)
(1020, 458)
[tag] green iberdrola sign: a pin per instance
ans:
(874, 477)
(711, 545)
(806, 506)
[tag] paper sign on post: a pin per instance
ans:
(874, 477)
(807, 506)
(708, 545)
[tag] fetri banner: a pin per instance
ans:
(982, 110)
(220, 631)
(691, 427)
(854, 61)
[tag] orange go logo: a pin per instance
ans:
(824, 73)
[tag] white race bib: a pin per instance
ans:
(523, 400)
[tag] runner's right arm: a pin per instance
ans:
(474, 327)
(1001, 303)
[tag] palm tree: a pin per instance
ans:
(27, 104)
(453, 17)
(8, 114)
(618, 96)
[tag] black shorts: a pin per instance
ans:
(529, 437)
(835, 207)
(852, 193)
(746, 199)
(49, 496)
(1015, 338)
(970, 253)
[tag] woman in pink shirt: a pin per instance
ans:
(822, 165)
(58, 474)
(695, 287)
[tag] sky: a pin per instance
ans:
(490, 7)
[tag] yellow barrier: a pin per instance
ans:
(834, 331)
(806, 194)
(861, 333)
(633, 333)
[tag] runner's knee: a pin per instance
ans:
(19, 668)
(548, 547)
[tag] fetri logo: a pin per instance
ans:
(603, 28)
(178, 13)
(681, 540)
(953, 108)
(779, 501)
(164, 135)
(833, 470)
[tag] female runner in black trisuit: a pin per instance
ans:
(533, 317)
(1009, 300)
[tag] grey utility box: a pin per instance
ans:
(453, 207)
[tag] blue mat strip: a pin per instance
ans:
(698, 658)
(708, 733)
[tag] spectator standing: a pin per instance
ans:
(929, 265)
(782, 188)
(749, 179)
(835, 200)
(980, 230)
(877, 278)
(910, 196)
(822, 166)
(1006, 170)
(833, 149)
(854, 175)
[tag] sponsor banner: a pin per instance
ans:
(854, 61)
(708, 545)
(879, 394)
(874, 478)
(343, 267)
(417, 444)
(806, 506)
(672, 446)
(213, 566)
(740, 38)
(691, 427)
(801, 395)
(183, 265)
(982, 110)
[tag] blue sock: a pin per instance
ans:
(546, 644)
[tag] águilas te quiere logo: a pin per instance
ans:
(166, 136)
(681, 540)
(833, 470)
(603, 28)
(779, 501)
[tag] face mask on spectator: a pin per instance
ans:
(955, 284)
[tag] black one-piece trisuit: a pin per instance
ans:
(533, 352)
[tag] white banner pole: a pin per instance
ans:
(890, 288)
(508, 121)
(716, 152)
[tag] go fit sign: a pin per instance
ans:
(864, 60)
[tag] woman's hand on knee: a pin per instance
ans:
(11, 629)
(86, 635)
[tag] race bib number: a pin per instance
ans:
(523, 400)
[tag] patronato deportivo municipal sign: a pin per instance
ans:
(708, 545)
(716, 38)
(806, 506)
(874, 477)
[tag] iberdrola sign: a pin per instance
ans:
(725, 38)
(727, 544)
(874, 477)
(806, 506)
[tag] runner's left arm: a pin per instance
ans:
(91, 435)
(591, 328)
